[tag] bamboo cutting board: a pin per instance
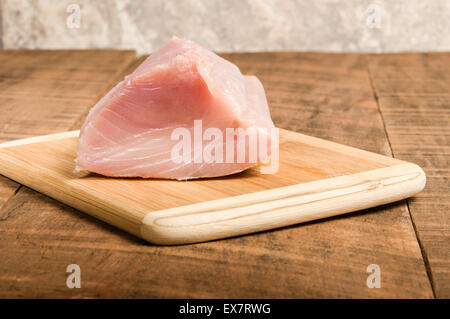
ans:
(316, 179)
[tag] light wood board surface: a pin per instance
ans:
(315, 179)
(331, 96)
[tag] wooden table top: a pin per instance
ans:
(393, 104)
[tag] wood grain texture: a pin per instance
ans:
(7, 188)
(324, 95)
(43, 92)
(315, 179)
(413, 91)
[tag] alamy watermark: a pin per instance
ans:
(73, 21)
(231, 145)
(74, 279)
(374, 279)
(374, 12)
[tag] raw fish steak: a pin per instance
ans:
(183, 113)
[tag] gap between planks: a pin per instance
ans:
(406, 201)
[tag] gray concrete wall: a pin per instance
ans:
(230, 25)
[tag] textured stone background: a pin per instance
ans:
(232, 25)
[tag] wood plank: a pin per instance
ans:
(43, 92)
(318, 259)
(414, 96)
(8, 188)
